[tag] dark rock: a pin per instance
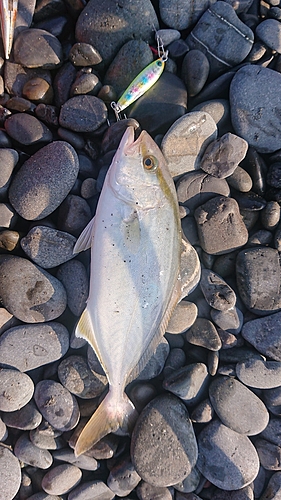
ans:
(85, 83)
(74, 214)
(46, 437)
(195, 71)
(16, 76)
(231, 320)
(183, 317)
(84, 54)
(27, 129)
(83, 462)
(216, 291)
(63, 82)
(222, 156)
(240, 180)
(123, 478)
(38, 90)
(83, 113)
(204, 333)
(269, 32)
(188, 383)
(76, 376)
(48, 53)
(264, 335)
(74, 278)
(269, 454)
(26, 418)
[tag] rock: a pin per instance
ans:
(41, 297)
(76, 376)
(177, 16)
(26, 418)
(222, 156)
(274, 175)
(83, 113)
(48, 247)
(237, 407)
(231, 320)
(27, 130)
(257, 116)
(189, 484)
(188, 383)
(264, 335)
(94, 490)
(74, 278)
(8, 216)
(57, 405)
(16, 389)
(203, 412)
(183, 317)
(272, 432)
(30, 454)
(141, 394)
(269, 31)
(156, 363)
(175, 360)
(168, 35)
(240, 180)
(74, 214)
(48, 53)
(84, 54)
(272, 399)
(86, 82)
(204, 333)
(9, 240)
(182, 145)
(10, 478)
(3, 431)
(220, 216)
(83, 462)
(227, 459)
(146, 491)
(8, 161)
(269, 454)
(216, 291)
(123, 478)
(196, 188)
(163, 430)
(219, 110)
(258, 279)
(46, 437)
(26, 347)
(37, 192)
(38, 90)
(61, 479)
(195, 71)
(273, 487)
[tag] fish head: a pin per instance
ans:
(138, 174)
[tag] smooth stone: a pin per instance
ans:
(8, 160)
(47, 114)
(227, 459)
(249, 218)
(9, 240)
(269, 32)
(222, 156)
(269, 454)
(114, 134)
(219, 110)
(273, 488)
(62, 83)
(195, 71)
(222, 36)
(41, 495)
(8, 216)
(146, 491)
(220, 226)
(204, 333)
(190, 483)
(237, 407)
(163, 425)
(85, 82)
(75, 139)
(253, 118)
(156, 363)
(259, 374)
(38, 90)
(141, 394)
(74, 278)
(238, 354)
(216, 291)
(26, 418)
(61, 479)
(174, 361)
(57, 405)
(163, 104)
(48, 53)
(27, 130)
(27, 347)
(88, 188)
(83, 462)
(249, 201)
(16, 389)
(243, 494)
(168, 35)
(184, 143)
(21, 105)
(177, 16)
(76, 376)
(74, 214)
(3, 431)
(203, 412)
(123, 478)
(107, 30)
(274, 175)
(84, 54)
(272, 432)
(183, 317)
(37, 192)
(83, 113)
(57, 26)
(16, 76)
(30, 454)
(240, 180)
(256, 167)
(264, 335)
(91, 490)
(41, 296)
(195, 188)
(188, 383)
(261, 237)
(46, 437)
(10, 478)
(258, 279)
(48, 247)
(277, 238)
(190, 269)
(189, 230)
(224, 265)
(7, 320)
(231, 320)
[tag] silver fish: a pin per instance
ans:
(8, 14)
(135, 241)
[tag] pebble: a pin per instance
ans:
(256, 118)
(83, 462)
(61, 479)
(258, 279)
(10, 478)
(48, 53)
(48, 247)
(175, 360)
(85, 82)
(26, 347)
(240, 180)
(203, 412)
(190, 483)
(26, 418)
(220, 216)
(37, 192)
(269, 454)
(9, 240)
(41, 296)
(3, 431)
(237, 407)
(168, 35)
(94, 490)
(84, 54)
(38, 90)
(74, 214)
(222, 156)
(163, 430)
(57, 405)
(76, 376)
(16, 389)
(74, 278)
(83, 113)
(219, 110)
(204, 333)
(123, 478)
(146, 491)
(273, 488)
(263, 334)
(188, 383)
(8, 216)
(231, 320)
(30, 454)
(227, 459)
(216, 291)
(8, 160)
(46, 437)
(269, 31)
(190, 269)
(182, 144)
(156, 363)
(196, 188)
(27, 130)
(183, 317)
(195, 71)
(177, 16)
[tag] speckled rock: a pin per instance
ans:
(216, 291)
(26, 418)
(183, 317)
(146, 491)
(264, 335)
(195, 71)
(178, 16)
(231, 320)
(204, 333)
(46, 437)
(123, 477)
(61, 479)
(10, 478)
(269, 454)
(189, 484)
(83, 113)
(272, 432)
(163, 447)
(195, 188)
(222, 156)
(188, 383)
(8, 161)
(74, 278)
(76, 376)
(16, 389)
(27, 129)
(49, 50)
(259, 374)
(30, 454)
(83, 462)
(37, 192)
(93, 490)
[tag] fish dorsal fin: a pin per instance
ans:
(85, 330)
(152, 346)
(85, 239)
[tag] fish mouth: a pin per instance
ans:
(135, 147)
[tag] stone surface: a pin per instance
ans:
(76, 376)
(269, 32)
(84, 54)
(182, 318)
(259, 374)
(16, 389)
(8, 161)
(74, 278)
(30, 454)
(204, 333)
(195, 188)
(83, 113)
(195, 71)
(27, 130)
(61, 479)
(84, 462)
(93, 490)
(123, 478)
(10, 478)
(188, 382)
(26, 418)
(222, 156)
(49, 50)
(264, 335)
(216, 291)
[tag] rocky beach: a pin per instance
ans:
(209, 399)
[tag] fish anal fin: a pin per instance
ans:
(85, 239)
(112, 414)
(85, 330)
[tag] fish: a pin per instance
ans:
(135, 241)
(8, 14)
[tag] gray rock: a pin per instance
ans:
(61, 479)
(184, 143)
(204, 333)
(76, 376)
(237, 407)
(254, 114)
(178, 16)
(273, 174)
(84, 54)
(83, 462)
(26, 418)
(243, 494)
(141, 394)
(3, 431)
(224, 265)
(264, 335)
(94, 490)
(270, 216)
(10, 478)
(195, 71)
(188, 383)
(156, 363)
(195, 188)
(16, 389)
(57, 405)
(259, 374)
(40, 297)
(48, 53)
(216, 291)
(269, 454)
(30, 454)
(8, 161)
(203, 412)
(261, 237)
(269, 32)
(26, 347)
(174, 361)
(219, 110)
(8, 216)
(74, 278)
(37, 192)
(272, 432)
(227, 459)
(183, 317)
(74, 214)
(273, 487)
(220, 226)
(162, 431)
(190, 483)
(168, 35)
(48, 247)
(240, 180)
(46, 437)
(231, 320)
(16, 76)
(123, 478)
(83, 113)
(146, 491)
(258, 279)
(222, 156)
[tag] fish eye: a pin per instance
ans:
(150, 163)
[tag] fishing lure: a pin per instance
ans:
(143, 82)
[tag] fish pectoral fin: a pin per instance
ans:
(111, 415)
(85, 239)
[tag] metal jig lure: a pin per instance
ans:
(143, 82)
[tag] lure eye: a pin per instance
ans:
(150, 163)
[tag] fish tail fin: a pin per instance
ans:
(111, 415)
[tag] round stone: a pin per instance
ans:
(123, 478)
(93, 490)
(183, 317)
(48, 53)
(188, 382)
(10, 477)
(61, 479)
(76, 376)
(84, 54)
(264, 335)
(259, 373)
(26, 418)
(83, 113)
(16, 389)
(83, 462)
(38, 90)
(27, 130)
(30, 454)
(195, 71)
(240, 180)
(269, 32)
(8, 161)
(74, 278)
(216, 291)
(222, 156)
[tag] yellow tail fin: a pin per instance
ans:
(110, 415)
